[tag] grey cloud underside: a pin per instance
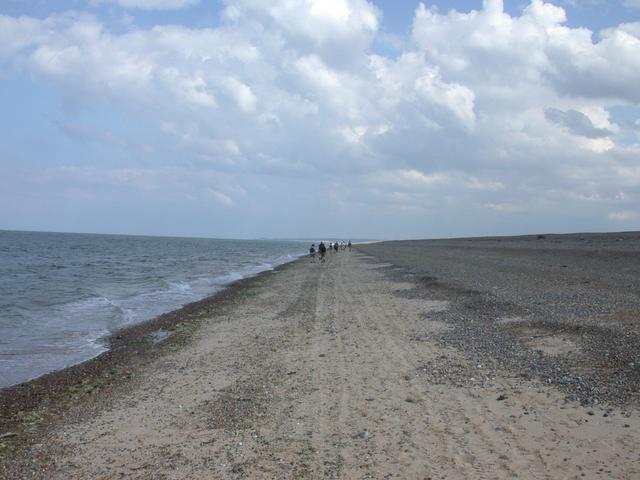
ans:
(576, 122)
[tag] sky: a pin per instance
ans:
(316, 118)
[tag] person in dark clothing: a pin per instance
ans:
(312, 252)
(323, 250)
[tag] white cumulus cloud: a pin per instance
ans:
(505, 113)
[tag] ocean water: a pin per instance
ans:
(61, 293)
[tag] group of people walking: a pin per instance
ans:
(322, 249)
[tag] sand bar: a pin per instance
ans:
(376, 364)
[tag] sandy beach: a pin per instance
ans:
(470, 359)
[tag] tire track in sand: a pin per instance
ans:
(380, 332)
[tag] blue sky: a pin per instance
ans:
(385, 119)
(397, 14)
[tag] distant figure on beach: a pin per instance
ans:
(335, 246)
(322, 249)
(312, 252)
(349, 245)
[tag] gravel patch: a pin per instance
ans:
(560, 309)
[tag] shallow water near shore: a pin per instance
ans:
(61, 293)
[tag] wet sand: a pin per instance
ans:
(376, 364)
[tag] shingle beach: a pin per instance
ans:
(474, 358)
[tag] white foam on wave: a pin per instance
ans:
(228, 278)
(69, 333)
(45, 354)
(182, 287)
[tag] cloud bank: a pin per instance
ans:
(482, 120)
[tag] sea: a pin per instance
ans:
(61, 294)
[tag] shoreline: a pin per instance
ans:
(50, 395)
(111, 338)
(64, 293)
(353, 368)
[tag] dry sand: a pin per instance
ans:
(326, 371)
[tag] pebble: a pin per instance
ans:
(491, 280)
